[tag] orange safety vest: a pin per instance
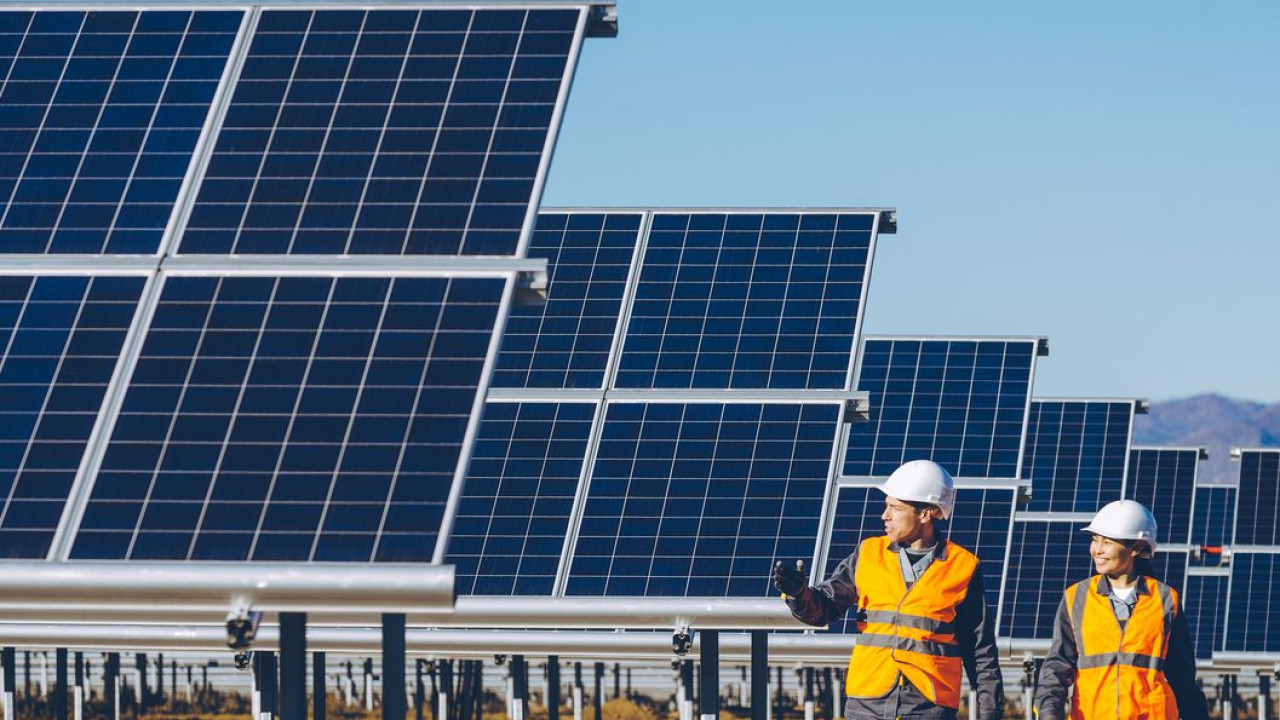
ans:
(908, 633)
(1120, 670)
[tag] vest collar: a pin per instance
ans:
(939, 549)
(1104, 585)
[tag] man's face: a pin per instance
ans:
(902, 523)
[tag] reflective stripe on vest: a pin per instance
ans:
(1121, 666)
(908, 634)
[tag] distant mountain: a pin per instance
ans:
(1213, 421)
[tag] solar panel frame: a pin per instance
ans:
(1204, 600)
(882, 220)
(540, 177)
(1257, 465)
(69, 529)
(1084, 405)
(1240, 602)
(1040, 348)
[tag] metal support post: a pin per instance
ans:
(270, 685)
(829, 705)
(445, 669)
(477, 669)
(293, 666)
(393, 685)
(319, 687)
(781, 696)
(78, 694)
(686, 686)
(368, 684)
(9, 659)
(111, 685)
(553, 687)
(144, 693)
(519, 709)
(577, 691)
(709, 682)
(159, 679)
(759, 675)
(60, 684)
(837, 693)
(598, 699)
(1264, 696)
(808, 693)
(617, 680)
(419, 689)
(973, 705)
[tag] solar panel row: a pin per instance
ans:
(1076, 453)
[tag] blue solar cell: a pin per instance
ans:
(60, 340)
(980, 524)
(510, 529)
(1076, 453)
(747, 301)
(401, 132)
(565, 343)
(296, 418)
(1045, 558)
(1213, 523)
(1253, 615)
(1164, 480)
(1204, 600)
(698, 499)
(1258, 520)
(99, 116)
(961, 403)
(1171, 567)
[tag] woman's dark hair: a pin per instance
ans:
(1142, 564)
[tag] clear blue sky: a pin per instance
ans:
(1106, 174)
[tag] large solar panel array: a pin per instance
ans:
(217, 408)
(679, 328)
(960, 402)
(1253, 616)
(1164, 480)
(1076, 453)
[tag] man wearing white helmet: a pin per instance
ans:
(920, 604)
(1120, 638)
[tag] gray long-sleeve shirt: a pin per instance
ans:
(830, 599)
(1058, 673)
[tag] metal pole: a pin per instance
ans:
(759, 675)
(160, 679)
(709, 682)
(577, 691)
(8, 658)
(781, 697)
(617, 680)
(686, 682)
(393, 687)
(79, 693)
(144, 693)
(111, 685)
(293, 666)
(553, 687)
(60, 684)
(319, 687)
(597, 699)
(808, 693)
(829, 706)
(445, 668)
(519, 689)
(1264, 696)
(477, 670)
(419, 690)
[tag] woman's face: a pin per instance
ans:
(1111, 557)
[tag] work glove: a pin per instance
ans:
(788, 581)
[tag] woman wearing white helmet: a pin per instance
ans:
(1120, 637)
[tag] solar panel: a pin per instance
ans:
(697, 499)
(1204, 600)
(1076, 453)
(1045, 558)
(1164, 479)
(1258, 520)
(960, 402)
(1253, 615)
(566, 341)
(60, 341)
(100, 112)
(394, 132)
(747, 300)
(293, 418)
(1171, 567)
(980, 524)
(1213, 521)
(513, 518)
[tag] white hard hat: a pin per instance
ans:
(923, 481)
(1124, 520)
